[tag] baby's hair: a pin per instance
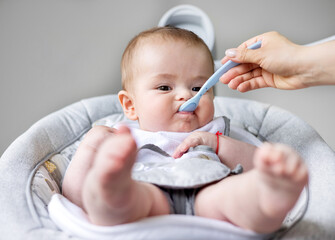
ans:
(164, 33)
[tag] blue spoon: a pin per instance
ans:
(191, 104)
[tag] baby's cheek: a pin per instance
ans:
(208, 109)
(155, 119)
(208, 102)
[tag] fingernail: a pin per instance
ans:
(231, 52)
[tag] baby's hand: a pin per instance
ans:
(195, 139)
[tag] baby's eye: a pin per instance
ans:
(164, 88)
(196, 89)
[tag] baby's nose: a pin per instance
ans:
(184, 94)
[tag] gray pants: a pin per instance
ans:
(181, 201)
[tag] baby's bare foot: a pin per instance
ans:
(108, 185)
(282, 176)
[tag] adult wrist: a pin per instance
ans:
(305, 66)
(317, 61)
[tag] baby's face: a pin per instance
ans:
(167, 74)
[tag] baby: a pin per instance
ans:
(161, 69)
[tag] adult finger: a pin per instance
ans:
(237, 71)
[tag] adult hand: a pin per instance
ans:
(279, 63)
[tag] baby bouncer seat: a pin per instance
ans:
(33, 166)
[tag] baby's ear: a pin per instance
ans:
(127, 104)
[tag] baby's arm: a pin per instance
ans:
(230, 151)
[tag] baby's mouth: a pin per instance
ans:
(186, 113)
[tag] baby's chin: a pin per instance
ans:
(183, 128)
(178, 126)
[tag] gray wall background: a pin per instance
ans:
(56, 52)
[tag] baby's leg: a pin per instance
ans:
(82, 161)
(110, 196)
(259, 199)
